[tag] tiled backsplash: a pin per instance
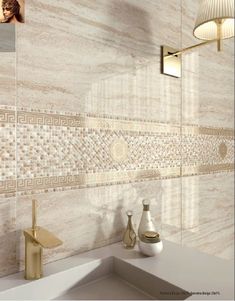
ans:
(89, 127)
(56, 151)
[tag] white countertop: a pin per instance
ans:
(184, 267)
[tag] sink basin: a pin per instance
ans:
(109, 278)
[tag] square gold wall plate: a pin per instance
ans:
(170, 64)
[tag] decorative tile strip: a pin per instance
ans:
(49, 119)
(102, 123)
(57, 151)
(93, 179)
(7, 116)
(199, 130)
(107, 123)
(8, 186)
(206, 169)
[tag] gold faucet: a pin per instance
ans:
(37, 238)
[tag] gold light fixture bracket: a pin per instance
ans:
(214, 23)
(171, 61)
(171, 58)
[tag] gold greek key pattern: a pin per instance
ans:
(49, 119)
(107, 123)
(103, 123)
(8, 186)
(83, 180)
(7, 116)
(105, 178)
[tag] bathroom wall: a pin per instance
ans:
(89, 127)
(208, 100)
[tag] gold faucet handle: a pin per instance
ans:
(34, 216)
(43, 237)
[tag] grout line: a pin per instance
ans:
(181, 130)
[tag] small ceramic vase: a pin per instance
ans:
(129, 237)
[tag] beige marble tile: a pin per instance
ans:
(208, 77)
(171, 217)
(89, 218)
(95, 55)
(217, 86)
(8, 236)
(7, 79)
(83, 219)
(216, 239)
(102, 57)
(172, 233)
(208, 213)
(7, 215)
(143, 93)
(189, 15)
(8, 258)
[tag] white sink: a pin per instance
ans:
(109, 278)
(112, 273)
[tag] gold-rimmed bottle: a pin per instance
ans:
(129, 237)
(146, 222)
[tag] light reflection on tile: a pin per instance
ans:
(208, 215)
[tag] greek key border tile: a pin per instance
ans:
(85, 180)
(105, 122)
(98, 122)
(8, 186)
(58, 183)
(7, 116)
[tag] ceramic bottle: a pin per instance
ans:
(146, 223)
(129, 237)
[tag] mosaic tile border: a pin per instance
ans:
(25, 185)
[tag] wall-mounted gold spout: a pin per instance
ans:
(37, 238)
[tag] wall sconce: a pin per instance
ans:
(215, 22)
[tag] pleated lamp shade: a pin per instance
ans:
(210, 12)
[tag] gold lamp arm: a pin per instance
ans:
(171, 58)
(190, 48)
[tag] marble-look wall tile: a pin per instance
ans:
(102, 52)
(8, 236)
(142, 93)
(171, 210)
(103, 57)
(208, 77)
(102, 208)
(207, 100)
(8, 79)
(89, 218)
(208, 213)
(216, 86)
(189, 15)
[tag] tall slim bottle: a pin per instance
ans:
(129, 237)
(146, 223)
